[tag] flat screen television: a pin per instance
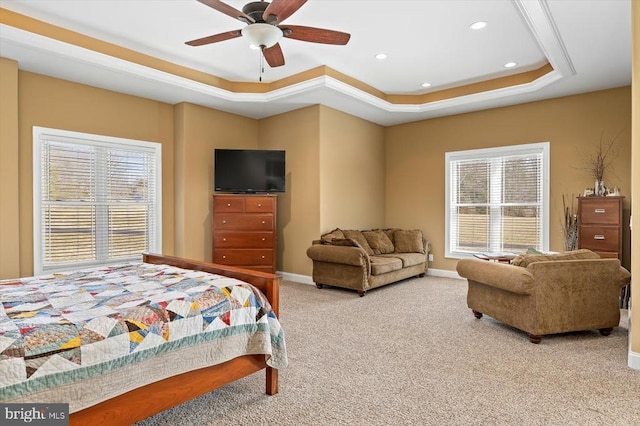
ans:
(249, 170)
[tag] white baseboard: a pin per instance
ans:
(443, 273)
(634, 360)
(306, 279)
(298, 278)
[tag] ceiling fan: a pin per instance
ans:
(264, 29)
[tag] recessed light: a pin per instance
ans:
(510, 64)
(478, 25)
(426, 84)
(381, 56)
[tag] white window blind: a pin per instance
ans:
(497, 200)
(96, 199)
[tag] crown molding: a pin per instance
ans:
(136, 76)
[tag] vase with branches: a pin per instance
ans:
(570, 225)
(599, 162)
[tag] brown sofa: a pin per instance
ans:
(547, 294)
(362, 260)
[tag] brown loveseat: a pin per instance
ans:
(362, 260)
(547, 294)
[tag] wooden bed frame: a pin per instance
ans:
(137, 404)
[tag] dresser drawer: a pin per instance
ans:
(599, 238)
(602, 211)
(243, 257)
(228, 204)
(259, 204)
(244, 222)
(230, 239)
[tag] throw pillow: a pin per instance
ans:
(357, 236)
(346, 242)
(525, 260)
(335, 234)
(378, 241)
(408, 241)
(389, 232)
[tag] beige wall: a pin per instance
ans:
(573, 125)
(49, 102)
(352, 176)
(298, 215)
(342, 171)
(335, 178)
(198, 131)
(635, 248)
(9, 195)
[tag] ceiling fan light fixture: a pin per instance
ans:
(263, 35)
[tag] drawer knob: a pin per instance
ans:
(263, 238)
(263, 257)
(598, 237)
(224, 239)
(264, 222)
(599, 211)
(259, 205)
(228, 204)
(224, 257)
(224, 221)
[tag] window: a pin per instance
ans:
(497, 200)
(97, 199)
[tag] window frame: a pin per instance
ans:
(489, 153)
(42, 134)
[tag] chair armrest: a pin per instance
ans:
(625, 277)
(338, 254)
(500, 275)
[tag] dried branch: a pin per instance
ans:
(602, 158)
(570, 225)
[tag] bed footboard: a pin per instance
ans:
(151, 399)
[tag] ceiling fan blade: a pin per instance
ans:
(227, 10)
(274, 56)
(315, 35)
(279, 10)
(214, 38)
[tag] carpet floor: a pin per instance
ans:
(412, 353)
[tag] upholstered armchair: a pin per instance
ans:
(546, 294)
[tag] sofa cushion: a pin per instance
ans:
(408, 259)
(389, 232)
(359, 237)
(525, 260)
(383, 264)
(408, 241)
(335, 234)
(346, 242)
(378, 241)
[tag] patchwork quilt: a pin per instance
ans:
(66, 327)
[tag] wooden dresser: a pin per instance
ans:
(600, 225)
(244, 231)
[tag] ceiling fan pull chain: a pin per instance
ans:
(261, 63)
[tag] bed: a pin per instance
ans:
(159, 350)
